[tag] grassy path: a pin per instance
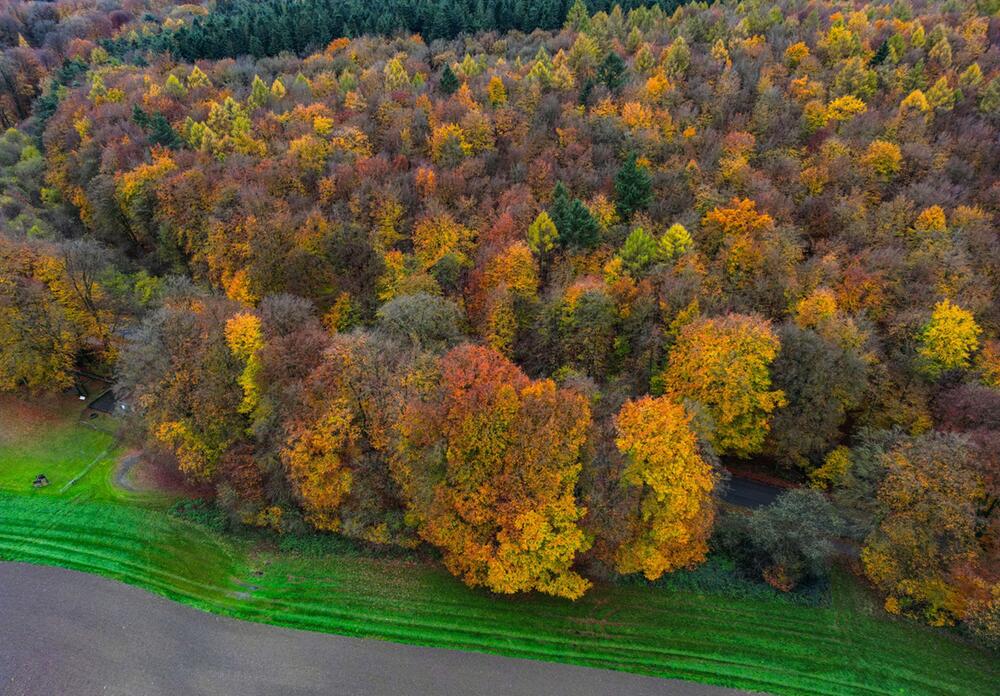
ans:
(764, 643)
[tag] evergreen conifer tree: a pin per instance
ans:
(449, 81)
(633, 188)
(611, 71)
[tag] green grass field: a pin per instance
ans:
(78, 457)
(49, 441)
(764, 642)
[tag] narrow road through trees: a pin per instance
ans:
(744, 492)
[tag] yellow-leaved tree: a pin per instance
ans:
(723, 364)
(245, 339)
(948, 340)
(670, 529)
(39, 340)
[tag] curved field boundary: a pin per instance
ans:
(772, 645)
(153, 636)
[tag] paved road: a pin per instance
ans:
(63, 632)
(750, 494)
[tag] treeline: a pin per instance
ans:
(247, 27)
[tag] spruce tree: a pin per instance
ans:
(162, 133)
(559, 211)
(576, 226)
(611, 71)
(255, 47)
(140, 117)
(586, 233)
(633, 188)
(449, 81)
(880, 55)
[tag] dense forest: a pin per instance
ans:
(526, 298)
(237, 27)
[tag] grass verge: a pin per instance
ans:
(759, 642)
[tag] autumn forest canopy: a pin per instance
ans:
(521, 282)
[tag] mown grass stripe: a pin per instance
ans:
(760, 644)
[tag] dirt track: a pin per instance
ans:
(123, 469)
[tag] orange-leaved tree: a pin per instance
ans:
(338, 434)
(317, 456)
(488, 461)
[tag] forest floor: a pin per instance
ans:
(702, 625)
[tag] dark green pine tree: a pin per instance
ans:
(881, 54)
(441, 23)
(586, 233)
(559, 210)
(633, 188)
(611, 71)
(162, 133)
(255, 47)
(552, 14)
(576, 226)
(480, 21)
(140, 117)
(449, 82)
(291, 30)
(302, 26)
(228, 43)
(521, 15)
(184, 45)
